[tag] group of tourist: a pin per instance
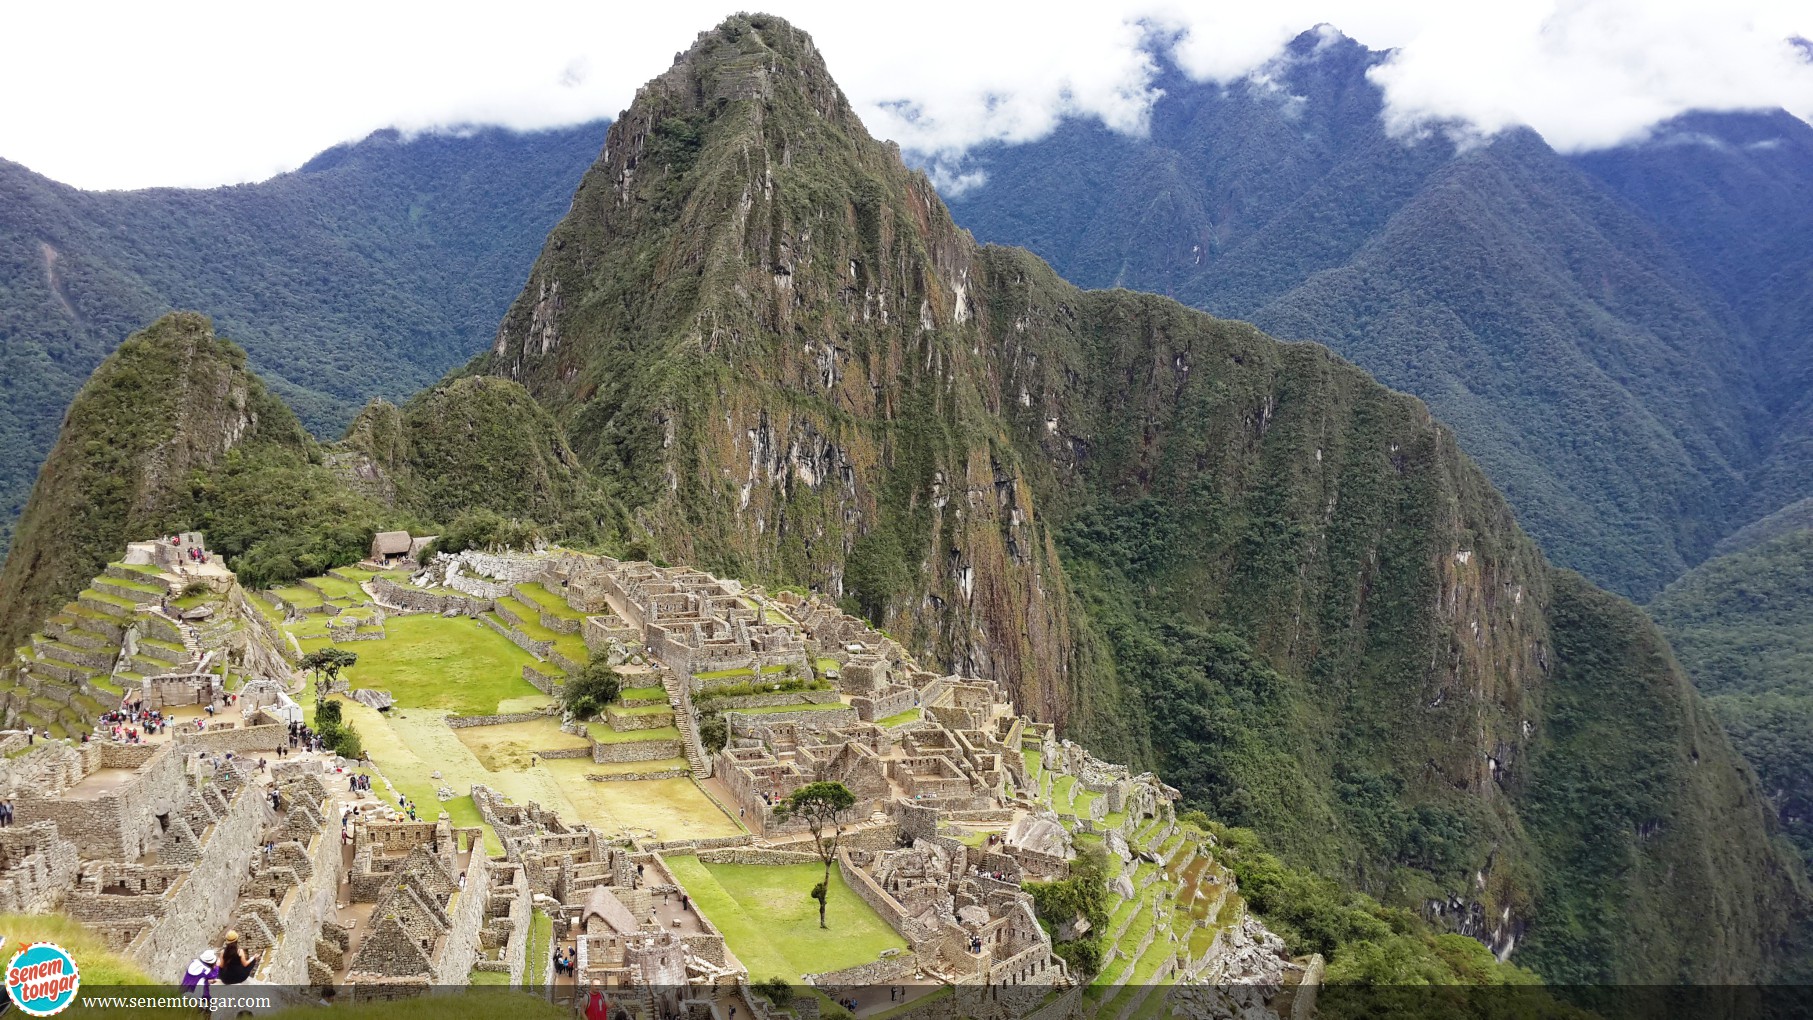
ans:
(356, 783)
(302, 738)
(228, 965)
(565, 961)
(407, 805)
(131, 724)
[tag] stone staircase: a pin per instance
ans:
(679, 694)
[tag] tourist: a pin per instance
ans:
(235, 966)
(199, 978)
(595, 1009)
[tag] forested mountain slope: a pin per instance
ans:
(368, 272)
(1625, 379)
(1743, 626)
(174, 431)
(1242, 561)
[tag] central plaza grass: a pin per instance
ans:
(508, 747)
(458, 665)
(770, 921)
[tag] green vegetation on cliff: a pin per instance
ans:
(1742, 625)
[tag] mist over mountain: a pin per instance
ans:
(368, 272)
(1619, 338)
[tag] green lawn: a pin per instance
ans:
(770, 921)
(334, 588)
(540, 949)
(458, 665)
(901, 718)
(553, 603)
(642, 694)
(297, 596)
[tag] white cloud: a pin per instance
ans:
(209, 92)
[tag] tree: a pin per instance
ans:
(596, 686)
(327, 664)
(822, 805)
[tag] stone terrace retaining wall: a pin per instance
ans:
(539, 649)
(636, 750)
(885, 971)
(707, 703)
(869, 709)
(543, 682)
(757, 855)
(512, 567)
(413, 599)
(811, 718)
(236, 740)
(631, 777)
(460, 722)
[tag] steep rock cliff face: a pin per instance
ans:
(172, 400)
(765, 331)
(1242, 561)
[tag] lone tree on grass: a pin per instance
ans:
(596, 686)
(327, 664)
(822, 805)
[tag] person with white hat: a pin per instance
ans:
(204, 970)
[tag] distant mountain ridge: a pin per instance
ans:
(369, 272)
(1593, 327)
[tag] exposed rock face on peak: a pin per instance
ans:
(1243, 561)
(172, 400)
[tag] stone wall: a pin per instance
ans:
(546, 683)
(636, 750)
(460, 722)
(121, 824)
(630, 777)
(236, 739)
(885, 971)
(199, 907)
(459, 947)
(707, 703)
(305, 909)
(819, 719)
(757, 855)
(890, 909)
(510, 567)
(539, 649)
(37, 866)
(892, 701)
(409, 598)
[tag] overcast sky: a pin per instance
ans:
(106, 95)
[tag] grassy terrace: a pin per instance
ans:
(549, 601)
(628, 694)
(119, 601)
(901, 718)
(570, 645)
(460, 666)
(339, 590)
(297, 596)
(771, 924)
(643, 708)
